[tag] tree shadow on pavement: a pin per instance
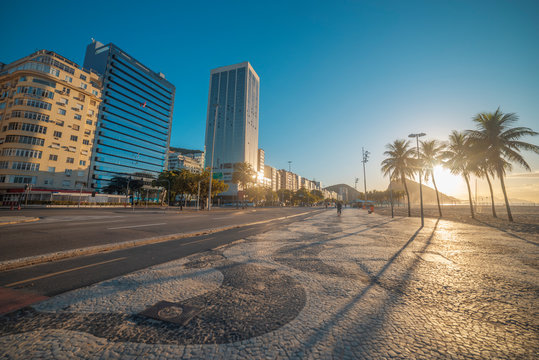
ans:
(508, 232)
(374, 324)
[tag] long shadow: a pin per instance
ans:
(321, 332)
(507, 232)
(320, 242)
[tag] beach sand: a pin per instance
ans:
(525, 225)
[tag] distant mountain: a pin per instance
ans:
(429, 194)
(347, 192)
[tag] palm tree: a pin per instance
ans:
(430, 156)
(458, 159)
(399, 164)
(501, 144)
(483, 168)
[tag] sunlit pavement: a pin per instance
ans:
(355, 286)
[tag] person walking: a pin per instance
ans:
(339, 208)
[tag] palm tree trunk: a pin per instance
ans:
(403, 179)
(491, 195)
(509, 215)
(437, 197)
(469, 194)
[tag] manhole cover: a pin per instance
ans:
(171, 312)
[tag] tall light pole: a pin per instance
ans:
(417, 136)
(289, 165)
(365, 159)
(212, 152)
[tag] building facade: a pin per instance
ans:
(232, 120)
(48, 115)
(178, 161)
(135, 117)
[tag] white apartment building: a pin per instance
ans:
(232, 120)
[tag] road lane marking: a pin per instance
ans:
(63, 272)
(38, 259)
(134, 226)
(196, 241)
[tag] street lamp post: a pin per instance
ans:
(365, 159)
(212, 152)
(417, 136)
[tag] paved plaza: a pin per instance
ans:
(328, 287)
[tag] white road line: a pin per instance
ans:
(134, 226)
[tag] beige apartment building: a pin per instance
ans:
(48, 117)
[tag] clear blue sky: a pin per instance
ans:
(335, 76)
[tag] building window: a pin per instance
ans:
(77, 117)
(66, 183)
(18, 165)
(51, 169)
(86, 142)
(48, 182)
(89, 122)
(4, 164)
(57, 134)
(81, 173)
(24, 140)
(92, 102)
(53, 157)
(61, 111)
(68, 78)
(55, 72)
(95, 92)
(83, 85)
(22, 153)
(34, 128)
(60, 123)
(68, 172)
(70, 160)
(74, 138)
(75, 127)
(23, 179)
(83, 77)
(82, 162)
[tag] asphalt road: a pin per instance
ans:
(53, 278)
(67, 229)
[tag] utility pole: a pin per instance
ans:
(212, 152)
(365, 160)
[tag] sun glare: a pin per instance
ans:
(448, 183)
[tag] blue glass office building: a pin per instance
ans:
(135, 117)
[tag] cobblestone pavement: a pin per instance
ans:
(355, 286)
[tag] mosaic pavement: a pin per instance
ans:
(355, 286)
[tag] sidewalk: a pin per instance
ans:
(355, 286)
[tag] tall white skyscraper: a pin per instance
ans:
(233, 95)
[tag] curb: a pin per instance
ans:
(19, 221)
(61, 255)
